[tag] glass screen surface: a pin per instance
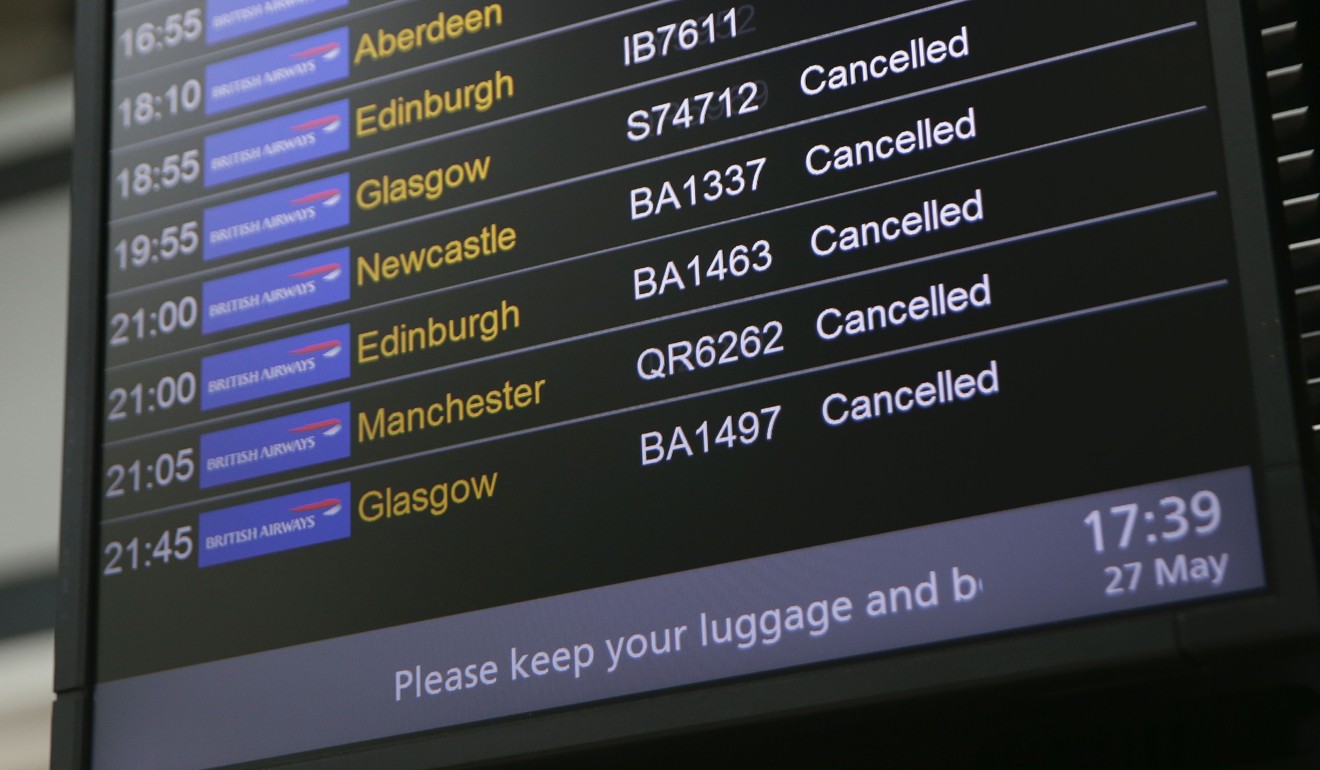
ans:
(468, 360)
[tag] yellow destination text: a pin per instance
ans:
(430, 185)
(492, 240)
(400, 111)
(390, 503)
(402, 339)
(385, 423)
(444, 27)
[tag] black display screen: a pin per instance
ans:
(463, 361)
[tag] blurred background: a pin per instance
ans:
(36, 135)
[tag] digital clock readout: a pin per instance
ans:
(594, 349)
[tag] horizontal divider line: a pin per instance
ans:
(344, 314)
(345, 90)
(339, 472)
(351, 389)
(333, 241)
(340, 163)
(239, 46)
(659, 158)
(281, 105)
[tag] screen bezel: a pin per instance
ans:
(1170, 638)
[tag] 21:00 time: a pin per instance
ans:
(1174, 520)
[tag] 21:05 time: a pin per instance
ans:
(1176, 519)
(168, 468)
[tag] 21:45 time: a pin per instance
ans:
(135, 554)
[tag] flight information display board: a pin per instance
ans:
(466, 360)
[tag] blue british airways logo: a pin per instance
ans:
(283, 215)
(229, 19)
(276, 367)
(272, 446)
(274, 292)
(271, 526)
(277, 143)
(274, 72)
